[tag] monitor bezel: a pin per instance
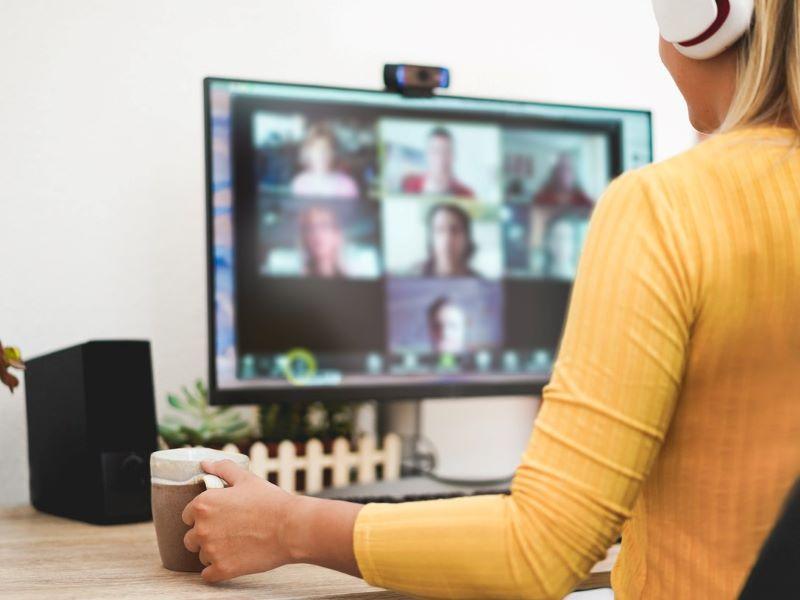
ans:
(386, 392)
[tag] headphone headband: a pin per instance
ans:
(703, 29)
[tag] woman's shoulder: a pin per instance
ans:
(710, 167)
(713, 161)
(693, 189)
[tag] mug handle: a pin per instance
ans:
(212, 482)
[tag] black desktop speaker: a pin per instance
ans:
(91, 429)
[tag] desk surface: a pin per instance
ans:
(46, 556)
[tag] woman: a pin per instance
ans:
(450, 243)
(319, 176)
(322, 241)
(673, 407)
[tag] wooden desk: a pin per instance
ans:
(42, 556)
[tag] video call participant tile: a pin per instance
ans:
(435, 316)
(441, 239)
(449, 159)
(544, 243)
(556, 169)
(299, 156)
(319, 238)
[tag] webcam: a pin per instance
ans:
(415, 80)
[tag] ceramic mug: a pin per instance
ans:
(176, 478)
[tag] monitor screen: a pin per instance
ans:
(363, 245)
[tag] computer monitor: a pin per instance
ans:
(364, 245)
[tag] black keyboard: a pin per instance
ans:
(419, 497)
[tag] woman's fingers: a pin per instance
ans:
(213, 574)
(227, 470)
(188, 513)
(191, 542)
(204, 558)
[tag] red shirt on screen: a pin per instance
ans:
(415, 184)
(574, 198)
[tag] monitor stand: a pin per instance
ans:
(472, 439)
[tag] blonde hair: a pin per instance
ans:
(768, 79)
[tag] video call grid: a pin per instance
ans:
(317, 178)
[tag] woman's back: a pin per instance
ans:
(733, 448)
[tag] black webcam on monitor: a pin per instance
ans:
(415, 80)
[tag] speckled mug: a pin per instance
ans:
(176, 478)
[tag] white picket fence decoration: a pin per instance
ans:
(341, 460)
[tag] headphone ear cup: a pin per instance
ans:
(703, 29)
(681, 20)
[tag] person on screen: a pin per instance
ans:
(562, 245)
(450, 243)
(439, 177)
(322, 242)
(447, 326)
(319, 176)
(562, 187)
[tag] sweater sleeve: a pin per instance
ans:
(604, 416)
(603, 419)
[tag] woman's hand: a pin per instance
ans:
(254, 526)
(237, 530)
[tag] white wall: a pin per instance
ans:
(101, 139)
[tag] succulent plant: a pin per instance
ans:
(197, 423)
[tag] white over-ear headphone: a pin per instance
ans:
(703, 29)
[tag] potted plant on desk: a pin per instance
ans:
(195, 423)
(198, 424)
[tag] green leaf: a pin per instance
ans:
(193, 436)
(201, 423)
(235, 427)
(228, 417)
(191, 399)
(172, 435)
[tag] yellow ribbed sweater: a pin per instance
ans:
(673, 413)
